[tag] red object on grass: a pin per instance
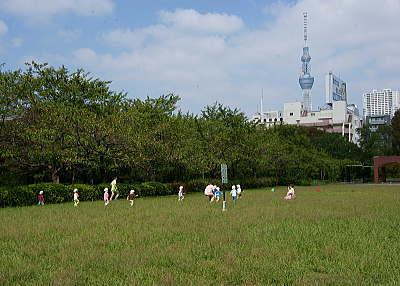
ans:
(318, 190)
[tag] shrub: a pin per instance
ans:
(86, 192)
(53, 193)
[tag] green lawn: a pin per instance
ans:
(343, 235)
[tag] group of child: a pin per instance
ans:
(106, 197)
(213, 192)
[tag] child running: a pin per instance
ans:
(181, 194)
(76, 197)
(131, 196)
(41, 199)
(218, 194)
(234, 193)
(106, 197)
(114, 189)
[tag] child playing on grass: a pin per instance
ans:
(131, 196)
(234, 193)
(41, 199)
(106, 197)
(180, 193)
(209, 192)
(114, 189)
(76, 197)
(239, 191)
(290, 194)
(218, 194)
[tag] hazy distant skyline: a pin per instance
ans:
(207, 51)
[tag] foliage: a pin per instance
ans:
(69, 127)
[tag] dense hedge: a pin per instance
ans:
(59, 193)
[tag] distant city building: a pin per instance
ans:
(335, 89)
(306, 81)
(338, 118)
(381, 102)
(375, 121)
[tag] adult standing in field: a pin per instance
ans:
(114, 189)
(209, 192)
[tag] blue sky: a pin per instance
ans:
(207, 51)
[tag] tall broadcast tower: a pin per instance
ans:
(306, 80)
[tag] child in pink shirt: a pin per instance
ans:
(106, 197)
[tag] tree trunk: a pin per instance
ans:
(54, 174)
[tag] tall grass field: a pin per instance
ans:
(342, 235)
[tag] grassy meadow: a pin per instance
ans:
(343, 235)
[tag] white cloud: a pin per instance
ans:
(16, 42)
(3, 28)
(209, 23)
(44, 8)
(214, 57)
(69, 35)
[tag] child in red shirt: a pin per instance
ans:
(40, 199)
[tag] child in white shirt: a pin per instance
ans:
(239, 191)
(76, 197)
(180, 193)
(234, 193)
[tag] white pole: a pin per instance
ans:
(350, 132)
(343, 129)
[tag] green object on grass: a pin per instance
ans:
(273, 190)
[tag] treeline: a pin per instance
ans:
(69, 127)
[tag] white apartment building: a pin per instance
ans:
(381, 102)
(339, 117)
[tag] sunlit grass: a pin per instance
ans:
(342, 235)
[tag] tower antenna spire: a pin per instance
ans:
(305, 16)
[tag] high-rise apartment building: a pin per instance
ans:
(381, 102)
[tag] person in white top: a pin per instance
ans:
(234, 193)
(239, 191)
(180, 193)
(209, 192)
(290, 194)
(76, 197)
(114, 189)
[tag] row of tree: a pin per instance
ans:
(64, 126)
